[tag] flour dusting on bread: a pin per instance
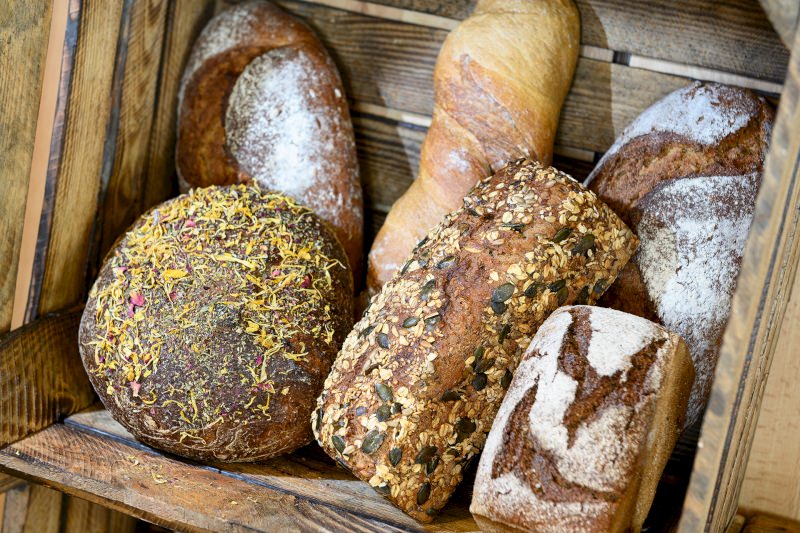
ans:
(693, 232)
(568, 438)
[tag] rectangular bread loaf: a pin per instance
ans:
(414, 390)
(587, 426)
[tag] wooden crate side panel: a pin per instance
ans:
(41, 376)
(24, 31)
(87, 121)
(133, 108)
(730, 36)
(783, 14)
(165, 491)
(766, 278)
(771, 481)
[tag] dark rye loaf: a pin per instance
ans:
(587, 426)
(685, 175)
(214, 322)
(415, 388)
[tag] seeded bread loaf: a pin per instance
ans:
(587, 426)
(685, 175)
(214, 322)
(415, 388)
(261, 101)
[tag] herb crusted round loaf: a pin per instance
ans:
(214, 321)
(418, 381)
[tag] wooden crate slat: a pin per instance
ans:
(133, 111)
(88, 116)
(169, 492)
(24, 30)
(767, 275)
(307, 473)
(604, 99)
(184, 23)
(728, 35)
(41, 376)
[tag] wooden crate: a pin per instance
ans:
(82, 158)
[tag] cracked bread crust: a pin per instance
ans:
(587, 426)
(415, 388)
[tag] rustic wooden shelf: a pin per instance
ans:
(92, 456)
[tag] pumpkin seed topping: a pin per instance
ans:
(498, 307)
(503, 292)
(384, 392)
(450, 396)
(383, 340)
(372, 441)
(426, 454)
(338, 443)
(410, 322)
(584, 245)
(395, 455)
(424, 493)
(505, 381)
(479, 382)
(383, 413)
(562, 234)
(447, 262)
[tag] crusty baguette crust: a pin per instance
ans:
(414, 390)
(214, 321)
(500, 80)
(685, 175)
(587, 426)
(261, 100)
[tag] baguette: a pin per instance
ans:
(500, 80)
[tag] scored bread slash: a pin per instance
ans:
(415, 388)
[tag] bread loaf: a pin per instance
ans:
(685, 175)
(414, 390)
(261, 101)
(500, 80)
(214, 322)
(587, 426)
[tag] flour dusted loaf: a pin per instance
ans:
(261, 101)
(214, 322)
(415, 388)
(587, 426)
(685, 175)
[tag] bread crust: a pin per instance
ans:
(499, 82)
(416, 385)
(587, 426)
(685, 175)
(214, 321)
(261, 101)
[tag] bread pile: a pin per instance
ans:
(220, 326)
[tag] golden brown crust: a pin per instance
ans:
(214, 148)
(415, 388)
(500, 80)
(214, 321)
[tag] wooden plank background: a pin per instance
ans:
(117, 153)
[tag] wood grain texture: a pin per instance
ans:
(133, 110)
(732, 36)
(184, 22)
(307, 473)
(81, 516)
(41, 376)
(7, 483)
(88, 114)
(766, 278)
(171, 493)
(771, 482)
(783, 14)
(24, 30)
(765, 523)
(33, 509)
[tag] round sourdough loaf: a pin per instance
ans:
(684, 175)
(261, 101)
(214, 321)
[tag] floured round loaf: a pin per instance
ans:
(414, 390)
(261, 101)
(685, 175)
(587, 426)
(214, 321)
